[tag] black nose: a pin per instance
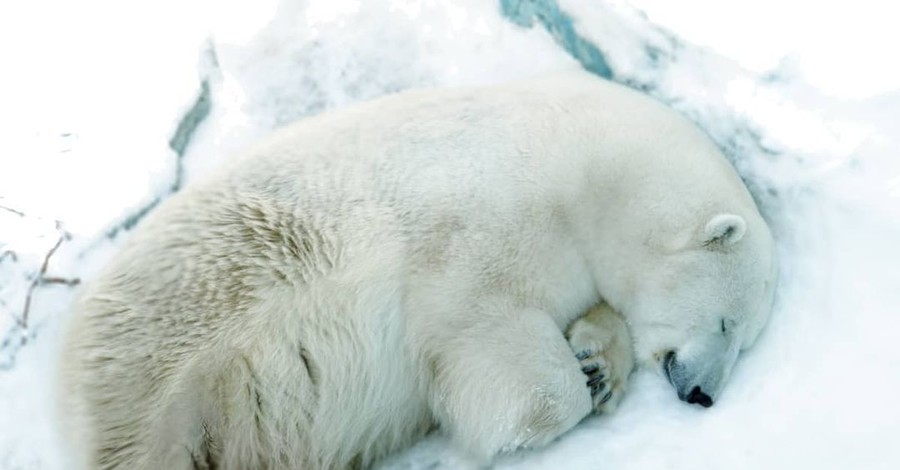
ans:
(697, 396)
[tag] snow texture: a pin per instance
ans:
(109, 107)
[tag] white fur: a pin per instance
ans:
(366, 275)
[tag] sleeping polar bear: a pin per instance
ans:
(367, 275)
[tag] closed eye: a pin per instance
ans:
(728, 326)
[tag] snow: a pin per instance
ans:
(803, 98)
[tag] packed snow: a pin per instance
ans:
(109, 107)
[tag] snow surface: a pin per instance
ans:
(803, 97)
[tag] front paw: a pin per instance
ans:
(602, 346)
(606, 391)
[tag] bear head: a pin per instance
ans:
(706, 298)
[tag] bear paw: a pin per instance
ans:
(602, 345)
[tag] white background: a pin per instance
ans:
(803, 96)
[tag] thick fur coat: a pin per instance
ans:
(367, 275)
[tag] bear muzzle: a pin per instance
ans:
(687, 390)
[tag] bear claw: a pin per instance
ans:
(605, 398)
(602, 346)
(595, 381)
(600, 381)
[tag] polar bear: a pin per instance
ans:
(421, 261)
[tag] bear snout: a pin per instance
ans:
(686, 391)
(697, 396)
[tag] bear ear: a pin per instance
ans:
(724, 229)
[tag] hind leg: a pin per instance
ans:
(143, 440)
